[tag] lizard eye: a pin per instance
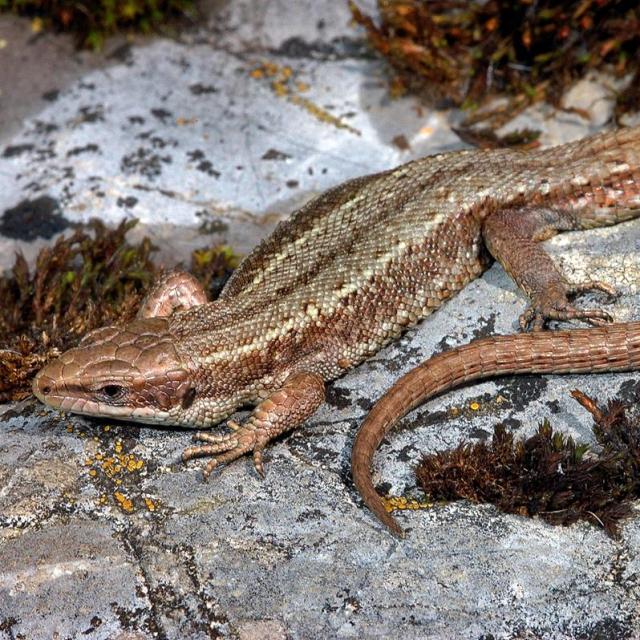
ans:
(112, 391)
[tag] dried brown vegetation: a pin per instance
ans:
(466, 52)
(548, 474)
(92, 278)
(91, 22)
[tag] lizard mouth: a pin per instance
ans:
(48, 391)
(45, 391)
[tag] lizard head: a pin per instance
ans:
(131, 373)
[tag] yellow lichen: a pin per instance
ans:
(279, 88)
(182, 122)
(400, 503)
(284, 84)
(123, 502)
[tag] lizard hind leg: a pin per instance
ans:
(559, 309)
(284, 410)
(175, 290)
(512, 237)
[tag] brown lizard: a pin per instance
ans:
(348, 272)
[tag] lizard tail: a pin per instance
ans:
(600, 349)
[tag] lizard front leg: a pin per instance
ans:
(512, 237)
(285, 409)
(175, 290)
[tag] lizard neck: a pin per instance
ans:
(231, 361)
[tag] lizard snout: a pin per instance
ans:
(44, 384)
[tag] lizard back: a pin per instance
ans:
(356, 223)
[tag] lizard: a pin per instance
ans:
(347, 273)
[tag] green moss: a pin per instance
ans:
(91, 22)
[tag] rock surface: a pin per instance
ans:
(105, 534)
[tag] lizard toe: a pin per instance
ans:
(536, 319)
(580, 288)
(227, 448)
(596, 317)
(204, 450)
(203, 436)
(557, 307)
(531, 319)
(225, 458)
(258, 460)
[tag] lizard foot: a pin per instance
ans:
(230, 447)
(283, 410)
(557, 307)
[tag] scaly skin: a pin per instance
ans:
(347, 273)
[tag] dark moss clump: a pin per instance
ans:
(91, 22)
(213, 266)
(548, 474)
(90, 279)
(465, 52)
(82, 282)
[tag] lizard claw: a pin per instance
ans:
(558, 308)
(229, 447)
(282, 411)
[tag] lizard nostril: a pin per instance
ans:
(46, 390)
